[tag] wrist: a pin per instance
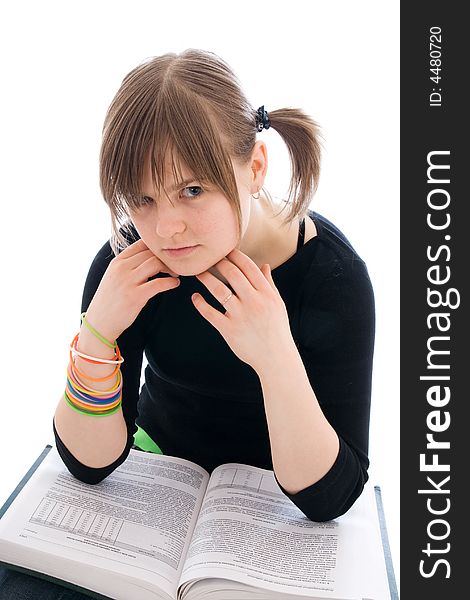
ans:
(282, 358)
(100, 324)
(90, 344)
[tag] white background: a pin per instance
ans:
(62, 62)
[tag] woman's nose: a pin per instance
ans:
(170, 220)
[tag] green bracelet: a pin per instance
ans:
(92, 414)
(96, 333)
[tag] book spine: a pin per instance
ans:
(23, 482)
(392, 584)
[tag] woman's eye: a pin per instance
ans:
(193, 191)
(143, 201)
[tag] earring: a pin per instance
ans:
(255, 197)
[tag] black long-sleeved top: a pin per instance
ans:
(201, 402)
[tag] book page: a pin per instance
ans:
(249, 531)
(137, 522)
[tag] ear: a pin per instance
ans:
(259, 165)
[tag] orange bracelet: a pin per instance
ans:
(82, 387)
(95, 378)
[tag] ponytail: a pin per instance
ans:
(301, 135)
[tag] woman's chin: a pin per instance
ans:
(191, 270)
(187, 268)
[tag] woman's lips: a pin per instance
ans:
(176, 252)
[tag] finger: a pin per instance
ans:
(133, 248)
(157, 286)
(249, 268)
(212, 315)
(139, 258)
(150, 267)
(134, 255)
(266, 270)
(216, 287)
(166, 269)
(235, 277)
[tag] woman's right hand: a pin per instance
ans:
(125, 289)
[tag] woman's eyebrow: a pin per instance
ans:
(177, 185)
(180, 184)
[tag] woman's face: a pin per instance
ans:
(198, 228)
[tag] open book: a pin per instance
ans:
(161, 527)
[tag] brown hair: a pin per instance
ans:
(190, 107)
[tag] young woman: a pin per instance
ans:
(256, 316)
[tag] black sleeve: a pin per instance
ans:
(131, 344)
(336, 346)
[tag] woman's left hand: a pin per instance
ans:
(255, 324)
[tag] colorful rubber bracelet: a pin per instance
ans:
(80, 385)
(93, 406)
(89, 413)
(94, 359)
(92, 400)
(96, 333)
(90, 392)
(110, 376)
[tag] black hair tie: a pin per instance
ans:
(262, 119)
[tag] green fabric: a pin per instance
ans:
(143, 441)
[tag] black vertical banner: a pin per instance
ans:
(435, 341)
